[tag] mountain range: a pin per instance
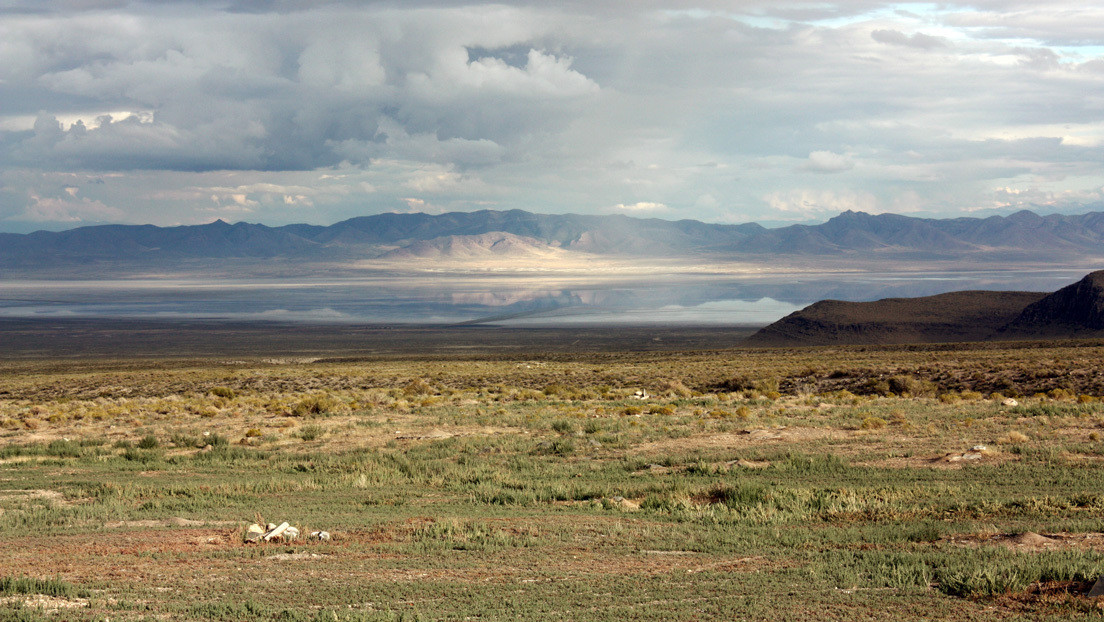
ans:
(1076, 310)
(1020, 237)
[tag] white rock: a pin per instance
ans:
(1010, 402)
(320, 535)
(978, 448)
(291, 533)
(275, 533)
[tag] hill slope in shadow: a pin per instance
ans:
(1076, 310)
(954, 316)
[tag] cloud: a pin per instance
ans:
(320, 111)
(809, 204)
(915, 40)
(827, 162)
(641, 206)
(1036, 198)
(67, 210)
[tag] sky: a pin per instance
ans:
(284, 111)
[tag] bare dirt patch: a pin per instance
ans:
(52, 497)
(301, 555)
(1030, 541)
(745, 438)
(1063, 596)
(165, 522)
(44, 602)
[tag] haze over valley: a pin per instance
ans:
(520, 268)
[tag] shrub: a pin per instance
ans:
(226, 392)
(148, 442)
(677, 388)
(563, 426)
(314, 405)
(873, 423)
(417, 386)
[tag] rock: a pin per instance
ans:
(1010, 402)
(1097, 588)
(270, 526)
(979, 448)
(322, 536)
(969, 455)
(254, 532)
(291, 533)
(275, 533)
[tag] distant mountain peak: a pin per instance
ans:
(852, 235)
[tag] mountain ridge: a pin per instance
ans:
(1023, 236)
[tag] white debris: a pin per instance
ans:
(275, 533)
(320, 535)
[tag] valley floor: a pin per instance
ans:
(937, 482)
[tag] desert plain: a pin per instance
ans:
(588, 474)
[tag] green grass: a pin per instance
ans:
(499, 489)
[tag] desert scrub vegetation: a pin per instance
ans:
(508, 487)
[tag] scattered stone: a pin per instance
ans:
(254, 532)
(291, 533)
(1010, 402)
(322, 536)
(640, 394)
(979, 448)
(276, 531)
(969, 455)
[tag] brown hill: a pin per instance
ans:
(955, 316)
(1075, 310)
